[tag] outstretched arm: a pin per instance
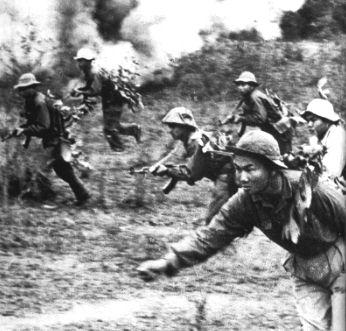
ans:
(233, 220)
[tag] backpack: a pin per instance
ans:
(57, 121)
(216, 142)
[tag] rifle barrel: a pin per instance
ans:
(143, 170)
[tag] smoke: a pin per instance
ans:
(153, 33)
(160, 31)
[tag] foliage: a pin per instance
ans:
(123, 82)
(19, 169)
(317, 19)
(249, 35)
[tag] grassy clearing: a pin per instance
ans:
(53, 259)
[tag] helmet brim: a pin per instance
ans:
(16, 87)
(82, 58)
(180, 124)
(246, 82)
(333, 118)
(231, 151)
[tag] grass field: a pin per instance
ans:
(69, 268)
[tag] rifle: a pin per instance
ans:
(14, 134)
(167, 188)
(9, 135)
(230, 119)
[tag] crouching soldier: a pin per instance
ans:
(200, 164)
(98, 84)
(266, 200)
(331, 135)
(258, 109)
(43, 121)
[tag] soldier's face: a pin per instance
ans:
(319, 125)
(244, 88)
(84, 65)
(26, 92)
(177, 131)
(251, 174)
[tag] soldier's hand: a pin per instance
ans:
(75, 93)
(220, 122)
(151, 269)
(18, 132)
(237, 119)
(158, 170)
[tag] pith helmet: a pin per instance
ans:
(26, 80)
(247, 77)
(259, 144)
(86, 54)
(180, 116)
(322, 108)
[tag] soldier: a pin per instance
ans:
(113, 102)
(257, 109)
(44, 122)
(330, 133)
(200, 165)
(266, 201)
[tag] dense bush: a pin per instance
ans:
(289, 69)
(317, 19)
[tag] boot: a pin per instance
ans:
(114, 140)
(137, 133)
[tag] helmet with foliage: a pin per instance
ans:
(322, 108)
(247, 77)
(85, 54)
(180, 116)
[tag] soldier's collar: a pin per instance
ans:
(286, 194)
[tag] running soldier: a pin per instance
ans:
(43, 121)
(113, 102)
(266, 200)
(200, 164)
(258, 109)
(331, 135)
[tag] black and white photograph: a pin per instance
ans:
(172, 165)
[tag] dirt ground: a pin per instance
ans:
(69, 268)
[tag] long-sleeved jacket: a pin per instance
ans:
(243, 211)
(43, 120)
(200, 164)
(334, 161)
(37, 115)
(258, 109)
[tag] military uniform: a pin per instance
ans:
(334, 161)
(333, 139)
(257, 109)
(316, 261)
(40, 124)
(202, 165)
(113, 103)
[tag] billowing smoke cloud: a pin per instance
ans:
(159, 31)
(153, 32)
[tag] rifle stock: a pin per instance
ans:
(170, 185)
